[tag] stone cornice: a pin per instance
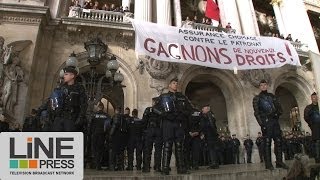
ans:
(24, 8)
(24, 14)
(96, 23)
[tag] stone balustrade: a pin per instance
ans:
(300, 46)
(205, 27)
(100, 15)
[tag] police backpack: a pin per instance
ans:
(56, 99)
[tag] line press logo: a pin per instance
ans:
(38, 155)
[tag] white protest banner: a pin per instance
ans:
(212, 49)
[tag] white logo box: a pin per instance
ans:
(68, 164)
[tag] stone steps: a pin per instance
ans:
(227, 172)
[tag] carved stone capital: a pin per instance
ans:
(255, 76)
(159, 69)
(74, 34)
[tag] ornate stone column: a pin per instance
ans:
(297, 23)
(164, 12)
(247, 16)
(275, 4)
(229, 13)
(143, 10)
(177, 13)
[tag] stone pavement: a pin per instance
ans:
(226, 172)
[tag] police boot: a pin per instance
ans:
(166, 157)
(157, 161)
(181, 167)
(120, 162)
(146, 159)
(213, 159)
(268, 154)
(317, 151)
(130, 162)
(279, 162)
(111, 160)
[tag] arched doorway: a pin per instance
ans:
(289, 119)
(99, 87)
(202, 91)
(231, 89)
(118, 96)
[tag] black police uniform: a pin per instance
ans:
(176, 110)
(98, 136)
(135, 142)
(248, 144)
(209, 129)
(4, 126)
(195, 141)
(70, 116)
(267, 110)
(235, 150)
(119, 137)
(31, 124)
(153, 135)
(312, 117)
(260, 145)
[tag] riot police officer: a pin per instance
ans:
(135, 141)
(195, 140)
(312, 117)
(235, 149)
(153, 135)
(32, 122)
(248, 144)
(260, 145)
(98, 122)
(210, 133)
(267, 110)
(176, 110)
(118, 135)
(69, 103)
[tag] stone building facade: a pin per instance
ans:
(47, 37)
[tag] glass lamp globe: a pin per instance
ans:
(118, 77)
(113, 64)
(72, 60)
(108, 73)
(61, 73)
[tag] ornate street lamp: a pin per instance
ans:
(96, 49)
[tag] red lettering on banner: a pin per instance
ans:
(184, 52)
(151, 50)
(263, 61)
(238, 56)
(280, 56)
(204, 53)
(215, 55)
(250, 59)
(176, 46)
(224, 55)
(272, 57)
(162, 50)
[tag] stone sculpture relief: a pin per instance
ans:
(159, 69)
(12, 73)
(76, 35)
(255, 76)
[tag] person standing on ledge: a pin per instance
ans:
(176, 111)
(267, 110)
(312, 117)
